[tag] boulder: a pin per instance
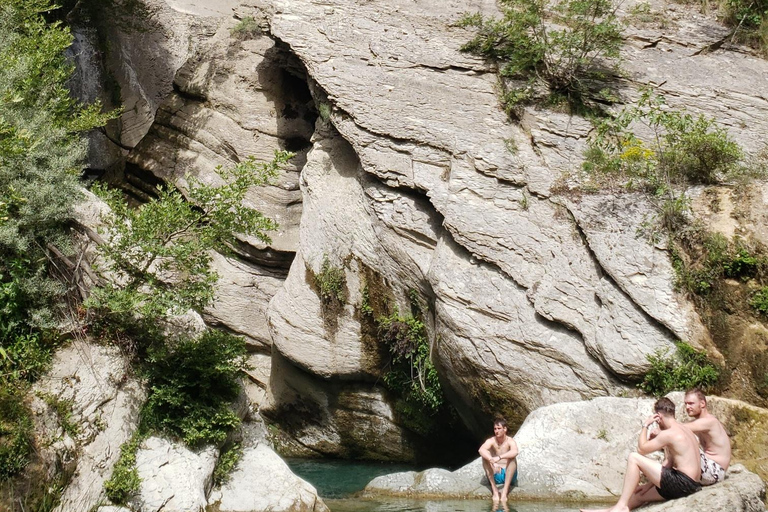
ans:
(263, 481)
(173, 477)
(741, 491)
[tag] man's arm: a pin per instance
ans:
(658, 442)
(485, 450)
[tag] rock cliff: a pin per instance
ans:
(411, 179)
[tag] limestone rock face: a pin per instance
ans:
(415, 181)
(85, 408)
(173, 478)
(263, 481)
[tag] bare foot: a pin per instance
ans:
(495, 497)
(504, 497)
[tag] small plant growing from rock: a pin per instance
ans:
(566, 50)
(227, 462)
(332, 282)
(412, 373)
(125, 480)
(759, 302)
(246, 28)
(324, 111)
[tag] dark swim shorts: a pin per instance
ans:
(675, 484)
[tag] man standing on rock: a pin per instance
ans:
(715, 445)
(499, 459)
(677, 477)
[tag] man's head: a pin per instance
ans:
(664, 407)
(499, 426)
(695, 402)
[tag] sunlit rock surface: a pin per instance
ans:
(263, 481)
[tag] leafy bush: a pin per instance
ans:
(228, 459)
(759, 302)
(192, 381)
(718, 259)
(41, 151)
(686, 369)
(412, 373)
(570, 50)
(684, 150)
(749, 19)
(159, 253)
(125, 480)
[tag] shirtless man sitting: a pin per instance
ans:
(677, 477)
(715, 444)
(499, 462)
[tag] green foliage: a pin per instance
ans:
(412, 373)
(570, 47)
(160, 252)
(246, 28)
(191, 383)
(759, 302)
(718, 259)
(332, 282)
(686, 369)
(41, 151)
(228, 459)
(749, 19)
(125, 480)
(684, 150)
(15, 433)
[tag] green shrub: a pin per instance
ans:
(684, 149)
(749, 18)
(718, 259)
(332, 282)
(192, 382)
(571, 49)
(759, 302)
(228, 459)
(686, 369)
(412, 374)
(125, 481)
(159, 253)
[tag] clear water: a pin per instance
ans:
(338, 483)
